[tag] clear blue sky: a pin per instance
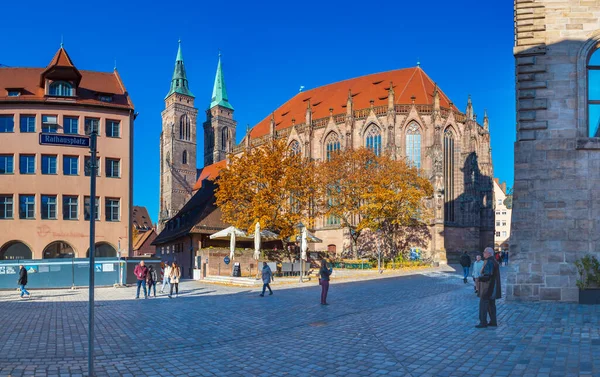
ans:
(269, 49)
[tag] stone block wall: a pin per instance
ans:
(556, 213)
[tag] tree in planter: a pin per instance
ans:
(588, 268)
(267, 184)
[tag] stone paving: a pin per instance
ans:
(418, 325)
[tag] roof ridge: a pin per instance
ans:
(406, 84)
(423, 83)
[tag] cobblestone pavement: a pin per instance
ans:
(419, 325)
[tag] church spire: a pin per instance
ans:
(219, 94)
(179, 82)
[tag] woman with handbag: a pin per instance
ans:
(174, 275)
(324, 274)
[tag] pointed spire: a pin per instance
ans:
(486, 121)
(179, 82)
(469, 112)
(219, 95)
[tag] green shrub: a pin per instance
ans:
(589, 272)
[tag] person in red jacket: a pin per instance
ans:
(141, 272)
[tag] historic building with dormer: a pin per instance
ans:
(402, 112)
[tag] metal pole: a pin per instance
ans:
(93, 168)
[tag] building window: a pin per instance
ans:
(224, 138)
(499, 201)
(497, 234)
(112, 209)
(504, 223)
(27, 164)
(49, 164)
(184, 127)
(92, 124)
(184, 158)
(504, 212)
(14, 93)
(449, 175)
(71, 125)
(88, 169)
(593, 70)
(49, 124)
(497, 223)
(105, 98)
(294, 148)
(503, 233)
(70, 165)
(497, 213)
(332, 145)
(49, 207)
(26, 206)
(113, 128)
(112, 168)
(61, 88)
(373, 140)
(86, 208)
(27, 123)
(413, 145)
(6, 207)
(6, 164)
(7, 123)
(70, 207)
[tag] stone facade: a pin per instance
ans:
(556, 212)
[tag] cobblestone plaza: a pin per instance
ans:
(418, 325)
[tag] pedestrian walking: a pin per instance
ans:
(174, 276)
(151, 279)
(490, 290)
(506, 258)
(166, 279)
(324, 274)
(267, 277)
(22, 282)
(141, 273)
(477, 267)
(465, 262)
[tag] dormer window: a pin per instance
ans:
(14, 93)
(61, 89)
(105, 97)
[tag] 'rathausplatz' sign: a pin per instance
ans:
(66, 140)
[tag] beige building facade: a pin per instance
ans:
(556, 212)
(502, 216)
(44, 190)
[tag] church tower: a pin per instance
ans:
(177, 145)
(219, 128)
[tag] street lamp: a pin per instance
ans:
(300, 228)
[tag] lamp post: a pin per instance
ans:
(300, 228)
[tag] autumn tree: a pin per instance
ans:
(369, 192)
(268, 184)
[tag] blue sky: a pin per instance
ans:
(270, 49)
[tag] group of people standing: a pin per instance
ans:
(148, 276)
(486, 279)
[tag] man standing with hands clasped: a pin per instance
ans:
(490, 290)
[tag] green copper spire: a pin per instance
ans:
(179, 82)
(219, 95)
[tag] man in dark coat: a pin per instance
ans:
(491, 290)
(465, 262)
(22, 282)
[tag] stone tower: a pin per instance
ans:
(177, 145)
(219, 128)
(556, 203)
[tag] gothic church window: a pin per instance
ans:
(448, 176)
(413, 145)
(294, 148)
(373, 139)
(224, 138)
(593, 106)
(184, 127)
(184, 158)
(332, 144)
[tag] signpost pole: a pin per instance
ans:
(93, 169)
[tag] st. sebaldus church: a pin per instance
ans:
(402, 111)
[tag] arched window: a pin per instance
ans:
(61, 88)
(593, 106)
(58, 249)
(15, 250)
(102, 250)
(184, 127)
(413, 145)
(332, 144)
(373, 139)
(448, 176)
(294, 148)
(184, 158)
(224, 138)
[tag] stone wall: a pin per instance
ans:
(556, 213)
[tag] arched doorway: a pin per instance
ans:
(103, 250)
(15, 250)
(59, 249)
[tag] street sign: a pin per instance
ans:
(98, 267)
(65, 140)
(226, 260)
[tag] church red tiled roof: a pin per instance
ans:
(407, 83)
(210, 172)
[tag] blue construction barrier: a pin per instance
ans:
(71, 272)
